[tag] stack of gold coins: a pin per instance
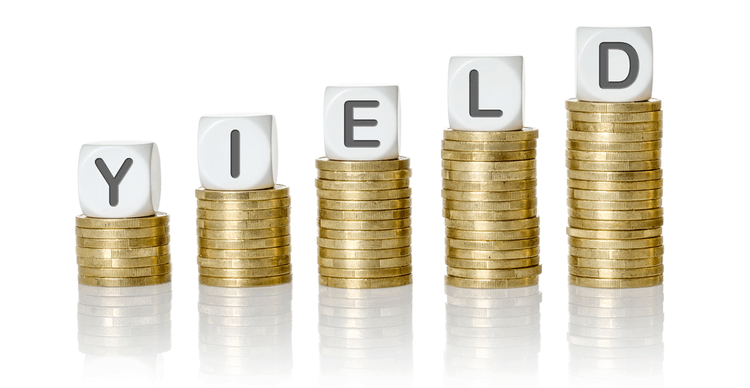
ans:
(614, 193)
(489, 205)
(243, 237)
(123, 252)
(364, 210)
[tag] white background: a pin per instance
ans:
(75, 72)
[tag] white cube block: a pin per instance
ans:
(237, 152)
(485, 93)
(361, 122)
(119, 179)
(614, 64)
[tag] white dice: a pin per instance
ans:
(485, 93)
(119, 179)
(237, 152)
(361, 122)
(614, 64)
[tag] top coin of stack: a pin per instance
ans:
(364, 210)
(489, 205)
(243, 237)
(614, 193)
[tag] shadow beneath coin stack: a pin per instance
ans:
(493, 336)
(123, 331)
(365, 336)
(615, 337)
(245, 334)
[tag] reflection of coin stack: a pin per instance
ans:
(122, 330)
(243, 237)
(245, 334)
(614, 193)
(365, 336)
(123, 252)
(364, 210)
(615, 337)
(489, 205)
(492, 336)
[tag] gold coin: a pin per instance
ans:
(393, 204)
(593, 195)
(474, 254)
(619, 176)
(328, 253)
(615, 225)
(361, 186)
(616, 215)
(503, 136)
(615, 186)
(123, 263)
(489, 166)
(616, 283)
(523, 204)
(366, 215)
(249, 234)
(501, 245)
(605, 137)
(615, 117)
(160, 219)
(489, 186)
(364, 273)
(614, 205)
(124, 272)
(131, 253)
(615, 263)
(488, 176)
(613, 147)
(614, 234)
(487, 156)
(364, 225)
(493, 225)
(229, 215)
(121, 243)
(402, 163)
(244, 253)
(278, 191)
(492, 264)
(155, 231)
(124, 282)
(513, 273)
(490, 236)
(594, 253)
(616, 244)
(365, 263)
(491, 283)
(364, 283)
(597, 156)
(365, 244)
(488, 195)
(245, 272)
(489, 146)
(244, 282)
(243, 225)
(577, 105)
(364, 175)
(363, 234)
(271, 242)
(245, 205)
(372, 195)
(506, 215)
(244, 263)
(645, 165)
(645, 126)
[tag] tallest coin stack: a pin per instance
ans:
(614, 193)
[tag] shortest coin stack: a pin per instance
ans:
(244, 237)
(123, 252)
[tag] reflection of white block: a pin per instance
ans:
(119, 179)
(614, 64)
(485, 93)
(237, 152)
(361, 122)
